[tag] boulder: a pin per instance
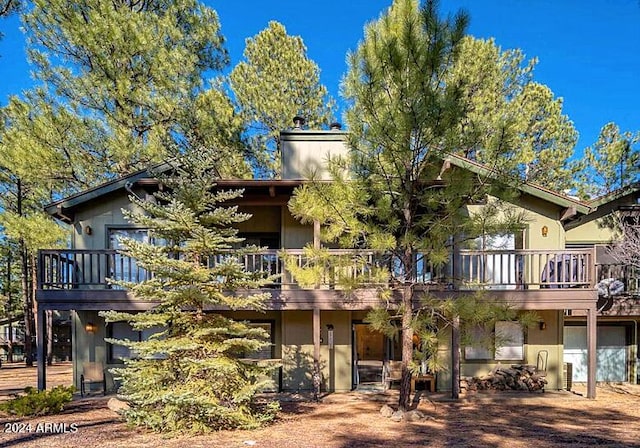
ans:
(117, 406)
(414, 416)
(386, 411)
(397, 416)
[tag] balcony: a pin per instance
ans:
(495, 269)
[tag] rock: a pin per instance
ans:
(414, 416)
(117, 406)
(397, 416)
(386, 411)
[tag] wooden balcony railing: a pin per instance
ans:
(618, 279)
(495, 269)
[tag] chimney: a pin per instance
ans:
(298, 122)
(335, 126)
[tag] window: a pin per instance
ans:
(125, 268)
(266, 352)
(497, 266)
(508, 338)
(123, 330)
(512, 341)
(482, 350)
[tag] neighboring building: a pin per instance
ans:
(531, 270)
(12, 337)
(617, 350)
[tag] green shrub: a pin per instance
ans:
(45, 402)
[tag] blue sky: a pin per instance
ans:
(588, 51)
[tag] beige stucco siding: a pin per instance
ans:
(336, 363)
(307, 158)
(295, 235)
(297, 350)
(536, 339)
(537, 214)
(592, 232)
(263, 219)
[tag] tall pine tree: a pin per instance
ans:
(274, 83)
(398, 196)
(189, 376)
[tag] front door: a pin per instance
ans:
(368, 354)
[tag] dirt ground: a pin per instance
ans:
(550, 419)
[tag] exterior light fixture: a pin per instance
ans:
(544, 231)
(90, 327)
(88, 230)
(543, 325)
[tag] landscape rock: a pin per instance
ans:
(414, 416)
(386, 411)
(117, 406)
(397, 416)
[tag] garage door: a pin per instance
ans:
(611, 353)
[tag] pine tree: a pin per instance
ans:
(124, 71)
(395, 194)
(612, 162)
(504, 105)
(188, 376)
(274, 83)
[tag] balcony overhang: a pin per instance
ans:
(324, 299)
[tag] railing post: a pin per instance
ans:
(40, 269)
(592, 270)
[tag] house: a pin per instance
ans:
(617, 351)
(531, 270)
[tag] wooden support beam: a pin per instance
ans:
(592, 331)
(316, 336)
(567, 213)
(41, 342)
(316, 234)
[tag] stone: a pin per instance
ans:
(386, 411)
(397, 416)
(414, 416)
(117, 406)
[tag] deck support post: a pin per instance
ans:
(591, 352)
(41, 324)
(317, 379)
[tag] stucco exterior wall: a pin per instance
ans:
(536, 339)
(305, 153)
(98, 218)
(263, 220)
(294, 234)
(297, 350)
(592, 232)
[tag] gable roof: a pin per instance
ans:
(615, 194)
(535, 190)
(63, 208)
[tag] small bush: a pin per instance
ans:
(36, 403)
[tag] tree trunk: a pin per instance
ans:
(9, 309)
(10, 343)
(455, 358)
(49, 315)
(27, 306)
(404, 402)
